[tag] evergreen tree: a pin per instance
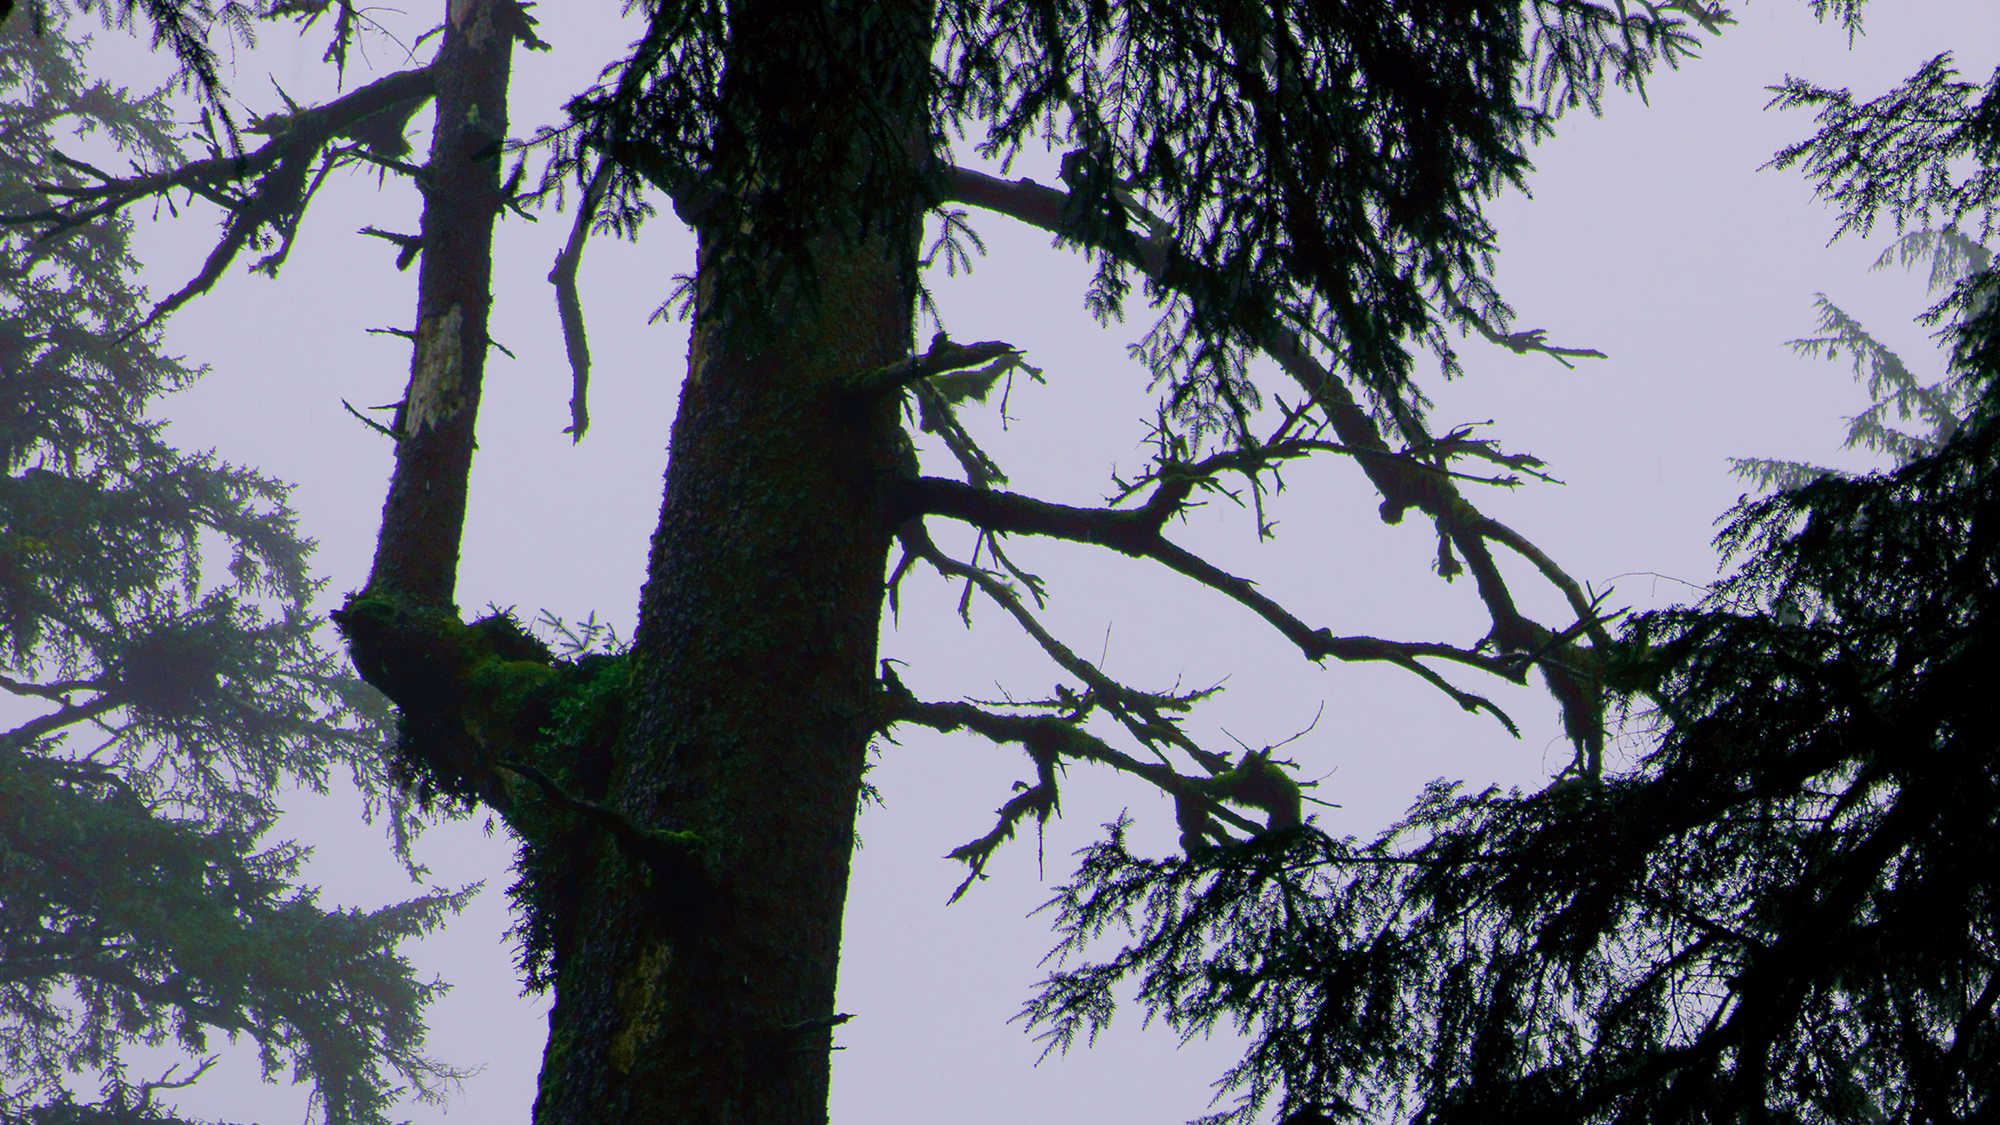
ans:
(1785, 911)
(157, 712)
(1301, 180)
(1899, 397)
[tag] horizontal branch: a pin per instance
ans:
(282, 163)
(306, 130)
(1136, 532)
(58, 691)
(675, 855)
(1047, 739)
(942, 357)
(1520, 343)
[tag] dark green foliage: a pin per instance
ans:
(489, 684)
(182, 28)
(552, 865)
(1327, 167)
(1899, 396)
(1785, 911)
(160, 925)
(492, 713)
(1788, 906)
(1927, 152)
(1782, 911)
(156, 712)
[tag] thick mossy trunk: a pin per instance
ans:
(753, 670)
(687, 810)
(751, 712)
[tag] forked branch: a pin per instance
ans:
(1406, 480)
(1136, 532)
(1048, 739)
(281, 167)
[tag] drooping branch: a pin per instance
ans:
(569, 307)
(1404, 479)
(1136, 532)
(281, 167)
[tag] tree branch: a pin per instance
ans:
(679, 856)
(1047, 739)
(1403, 480)
(569, 307)
(281, 165)
(67, 715)
(1136, 532)
(1140, 712)
(57, 691)
(943, 356)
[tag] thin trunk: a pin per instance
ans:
(753, 691)
(424, 515)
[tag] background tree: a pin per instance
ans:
(157, 712)
(1785, 910)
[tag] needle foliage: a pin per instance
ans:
(153, 711)
(1786, 909)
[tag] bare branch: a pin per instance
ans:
(1139, 711)
(1047, 739)
(68, 714)
(1520, 343)
(569, 307)
(281, 166)
(57, 691)
(1136, 532)
(943, 356)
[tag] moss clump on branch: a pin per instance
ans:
(1255, 782)
(489, 713)
(466, 694)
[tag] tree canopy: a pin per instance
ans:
(1784, 910)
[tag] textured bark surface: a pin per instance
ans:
(754, 681)
(424, 514)
(752, 715)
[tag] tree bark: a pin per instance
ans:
(424, 516)
(685, 852)
(753, 696)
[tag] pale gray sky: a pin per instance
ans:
(1651, 235)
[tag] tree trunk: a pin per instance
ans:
(687, 811)
(424, 515)
(753, 684)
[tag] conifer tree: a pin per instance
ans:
(1785, 910)
(157, 710)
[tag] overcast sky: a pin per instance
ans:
(1652, 235)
